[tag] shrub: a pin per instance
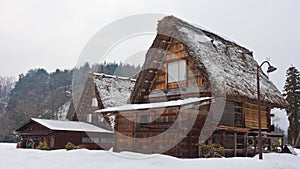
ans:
(71, 146)
(43, 146)
(209, 151)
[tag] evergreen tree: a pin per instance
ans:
(292, 94)
(121, 69)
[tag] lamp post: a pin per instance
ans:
(270, 69)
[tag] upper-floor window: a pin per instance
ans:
(89, 118)
(177, 71)
(238, 114)
(143, 120)
(94, 102)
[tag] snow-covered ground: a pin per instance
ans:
(12, 158)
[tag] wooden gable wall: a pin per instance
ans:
(85, 108)
(88, 94)
(155, 75)
(34, 127)
(177, 51)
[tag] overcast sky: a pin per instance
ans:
(51, 34)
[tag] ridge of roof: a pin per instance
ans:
(103, 75)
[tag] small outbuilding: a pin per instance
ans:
(57, 133)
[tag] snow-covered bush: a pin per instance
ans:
(43, 146)
(209, 151)
(71, 146)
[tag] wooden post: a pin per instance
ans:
(297, 143)
(270, 144)
(134, 133)
(282, 137)
(255, 144)
(223, 139)
(235, 142)
(209, 141)
(245, 144)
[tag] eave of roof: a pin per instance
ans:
(59, 125)
(130, 107)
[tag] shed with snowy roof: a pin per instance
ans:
(57, 133)
(215, 77)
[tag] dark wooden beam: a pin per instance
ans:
(235, 144)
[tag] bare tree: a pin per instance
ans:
(6, 85)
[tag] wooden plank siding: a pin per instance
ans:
(242, 115)
(177, 51)
(151, 137)
(245, 114)
(251, 116)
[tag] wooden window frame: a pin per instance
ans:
(144, 120)
(238, 114)
(176, 83)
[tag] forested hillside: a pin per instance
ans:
(47, 95)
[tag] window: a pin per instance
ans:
(177, 71)
(143, 120)
(94, 102)
(90, 140)
(100, 118)
(106, 140)
(89, 118)
(238, 114)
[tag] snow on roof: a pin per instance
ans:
(231, 67)
(128, 107)
(69, 125)
(113, 90)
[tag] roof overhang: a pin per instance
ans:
(233, 128)
(146, 106)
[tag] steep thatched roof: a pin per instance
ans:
(112, 90)
(231, 68)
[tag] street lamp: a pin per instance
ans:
(270, 69)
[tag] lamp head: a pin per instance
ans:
(271, 69)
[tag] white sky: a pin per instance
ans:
(51, 34)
